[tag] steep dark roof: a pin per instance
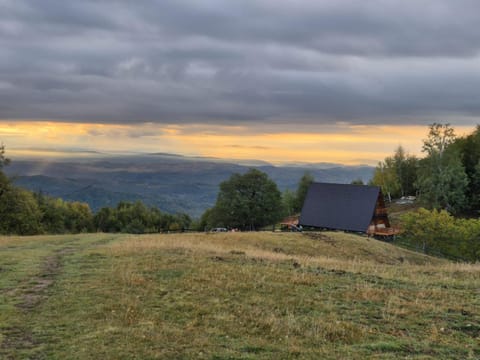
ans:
(339, 206)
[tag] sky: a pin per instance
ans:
(285, 80)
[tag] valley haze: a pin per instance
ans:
(171, 182)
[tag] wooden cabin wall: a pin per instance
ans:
(380, 215)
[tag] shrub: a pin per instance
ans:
(437, 232)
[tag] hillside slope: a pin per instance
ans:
(232, 296)
(315, 246)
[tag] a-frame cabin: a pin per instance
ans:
(358, 208)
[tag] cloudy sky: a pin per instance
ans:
(278, 80)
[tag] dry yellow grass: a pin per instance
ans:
(330, 246)
(334, 250)
(238, 296)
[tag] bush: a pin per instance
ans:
(437, 232)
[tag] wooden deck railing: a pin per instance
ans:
(389, 231)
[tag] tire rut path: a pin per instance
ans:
(32, 293)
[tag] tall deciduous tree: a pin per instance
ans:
(4, 181)
(469, 149)
(396, 175)
(248, 202)
(440, 136)
(25, 213)
(442, 180)
(3, 160)
(289, 201)
(19, 213)
(303, 185)
(406, 167)
(386, 177)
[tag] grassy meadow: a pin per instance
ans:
(232, 296)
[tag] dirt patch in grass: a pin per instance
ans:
(17, 338)
(31, 295)
(36, 292)
(321, 237)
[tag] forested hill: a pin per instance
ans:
(172, 183)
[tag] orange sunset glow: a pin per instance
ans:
(346, 144)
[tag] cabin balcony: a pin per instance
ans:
(382, 230)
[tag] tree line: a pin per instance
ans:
(246, 202)
(447, 177)
(446, 182)
(137, 218)
(23, 212)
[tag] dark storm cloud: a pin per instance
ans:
(188, 61)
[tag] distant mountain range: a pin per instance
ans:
(174, 183)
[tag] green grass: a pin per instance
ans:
(232, 296)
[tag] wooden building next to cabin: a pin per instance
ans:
(358, 208)
(290, 223)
